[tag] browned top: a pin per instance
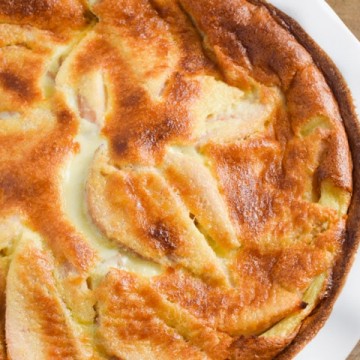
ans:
(224, 162)
(59, 16)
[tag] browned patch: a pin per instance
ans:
(270, 54)
(34, 283)
(163, 236)
(232, 310)
(259, 348)
(138, 129)
(134, 319)
(47, 14)
(148, 227)
(194, 59)
(295, 268)
(253, 271)
(156, 230)
(31, 183)
(29, 8)
(249, 174)
(18, 85)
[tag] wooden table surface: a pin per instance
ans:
(355, 355)
(349, 11)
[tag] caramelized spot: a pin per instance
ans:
(47, 14)
(249, 174)
(304, 305)
(28, 8)
(163, 236)
(120, 145)
(20, 86)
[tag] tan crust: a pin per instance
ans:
(352, 239)
(211, 220)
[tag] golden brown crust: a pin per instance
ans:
(143, 323)
(39, 317)
(352, 239)
(275, 58)
(230, 176)
(29, 180)
(44, 14)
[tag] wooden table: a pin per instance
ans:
(355, 355)
(349, 11)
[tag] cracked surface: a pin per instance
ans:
(174, 181)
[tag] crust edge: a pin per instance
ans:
(312, 325)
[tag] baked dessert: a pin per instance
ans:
(175, 180)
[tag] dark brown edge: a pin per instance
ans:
(337, 83)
